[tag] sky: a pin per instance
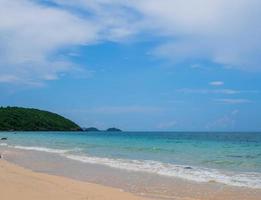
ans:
(169, 65)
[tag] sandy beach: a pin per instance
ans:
(19, 183)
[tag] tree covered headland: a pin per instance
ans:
(29, 119)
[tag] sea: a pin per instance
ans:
(230, 158)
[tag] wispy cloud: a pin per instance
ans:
(215, 91)
(225, 122)
(127, 109)
(8, 78)
(233, 101)
(32, 34)
(205, 30)
(167, 125)
(216, 83)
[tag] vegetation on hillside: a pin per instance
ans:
(29, 119)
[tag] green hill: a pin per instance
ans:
(29, 119)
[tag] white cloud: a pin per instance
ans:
(225, 32)
(115, 20)
(216, 83)
(233, 101)
(31, 34)
(221, 31)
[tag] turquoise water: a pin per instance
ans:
(229, 158)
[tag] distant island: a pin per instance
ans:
(29, 119)
(113, 130)
(93, 129)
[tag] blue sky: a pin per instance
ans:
(138, 65)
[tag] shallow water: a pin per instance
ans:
(228, 158)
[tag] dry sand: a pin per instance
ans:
(17, 183)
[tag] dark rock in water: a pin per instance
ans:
(91, 129)
(187, 167)
(4, 138)
(113, 130)
(235, 156)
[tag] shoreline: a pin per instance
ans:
(20, 183)
(185, 172)
(33, 163)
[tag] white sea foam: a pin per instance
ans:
(3, 144)
(251, 180)
(43, 149)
